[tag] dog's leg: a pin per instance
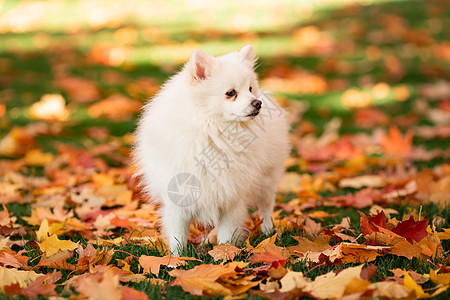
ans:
(176, 225)
(230, 227)
(266, 198)
(266, 203)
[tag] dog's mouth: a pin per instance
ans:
(253, 114)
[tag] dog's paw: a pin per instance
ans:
(267, 226)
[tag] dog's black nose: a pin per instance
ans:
(256, 104)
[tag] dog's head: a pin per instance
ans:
(226, 86)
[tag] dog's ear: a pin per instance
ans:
(200, 65)
(247, 54)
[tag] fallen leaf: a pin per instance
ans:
(443, 278)
(305, 245)
(17, 142)
(51, 107)
(391, 290)
(52, 245)
(412, 230)
(332, 285)
(42, 286)
(373, 181)
(394, 143)
(413, 286)
(129, 293)
(37, 158)
(152, 264)
(108, 108)
(445, 235)
(12, 276)
(369, 224)
(224, 252)
(79, 89)
(106, 287)
(57, 260)
(202, 279)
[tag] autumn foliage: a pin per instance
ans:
(362, 210)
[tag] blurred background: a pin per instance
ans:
(78, 71)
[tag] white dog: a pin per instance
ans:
(208, 147)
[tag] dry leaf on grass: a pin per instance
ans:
(202, 279)
(224, 252)
(53, 244)
(152, 264)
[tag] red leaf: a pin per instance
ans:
(368, 223)
(412, 230)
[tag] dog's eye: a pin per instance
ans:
(231, 93)
(250, 89)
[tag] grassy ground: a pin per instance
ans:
(308, 54)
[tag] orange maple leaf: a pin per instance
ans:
(270, 254)
(202, 279)
(395, 144)
(152, 264)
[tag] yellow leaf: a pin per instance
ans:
(52, 245)
(37, 158)
(42, 233)
(357, 285)
(413, 286)
(445, 235)
(12, 276)
(440, 278)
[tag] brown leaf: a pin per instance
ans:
(57, 261)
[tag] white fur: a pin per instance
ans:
(191, 113)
